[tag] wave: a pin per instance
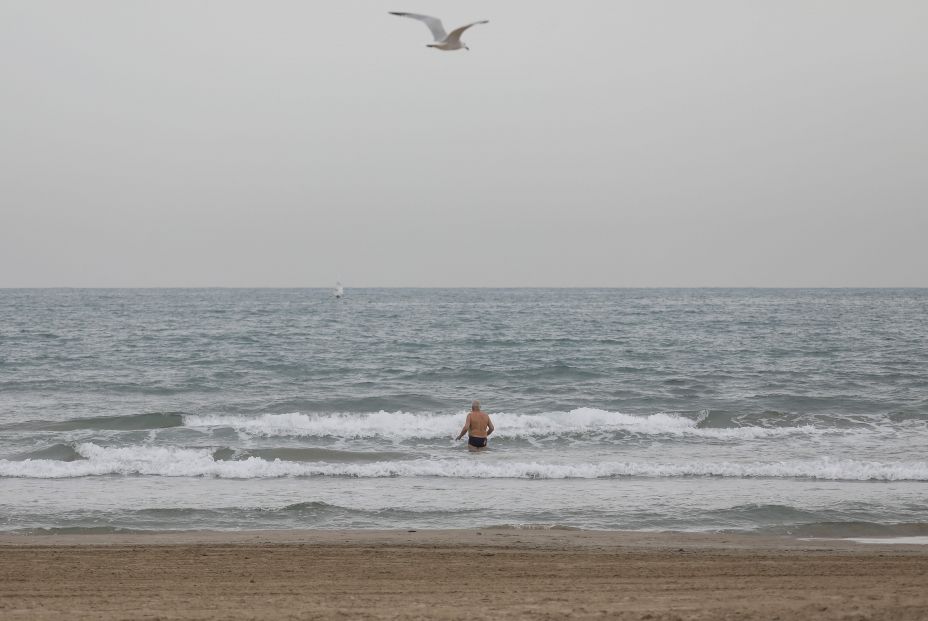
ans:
(310, 454)
(57, 452)
(187, 462)
(312, 513)
(80, 530)
(399, 426)
(67, 452)
(128, 422)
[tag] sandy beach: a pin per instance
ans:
(476, 574)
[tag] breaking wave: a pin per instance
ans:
(187, 462)
(398, 426)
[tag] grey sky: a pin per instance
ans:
(290, 143)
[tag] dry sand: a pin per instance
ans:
(485, 574)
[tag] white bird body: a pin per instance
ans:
(448, 46)
(443, 40)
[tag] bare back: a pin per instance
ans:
(478, 424)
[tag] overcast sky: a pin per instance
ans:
(293, 143)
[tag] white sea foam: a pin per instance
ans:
(399, 426)
(921, 541)
(177, 462)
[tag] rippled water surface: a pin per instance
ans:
(773, 410)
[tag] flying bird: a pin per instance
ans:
(443, 40)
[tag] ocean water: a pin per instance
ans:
(776, 411)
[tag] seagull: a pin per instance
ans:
(443, 40)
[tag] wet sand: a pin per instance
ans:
(485, 574)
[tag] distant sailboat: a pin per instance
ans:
(339, 291)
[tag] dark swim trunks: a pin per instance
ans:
(477, 442)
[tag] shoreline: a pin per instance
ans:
(542, 538)
(455, 574)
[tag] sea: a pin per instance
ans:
(778, 411)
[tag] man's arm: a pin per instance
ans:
(466, 427)
(490, 426)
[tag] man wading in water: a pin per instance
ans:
(478, 427)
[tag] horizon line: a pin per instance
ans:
(487, 287)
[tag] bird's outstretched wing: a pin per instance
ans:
(457, 32)
(434, 24)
